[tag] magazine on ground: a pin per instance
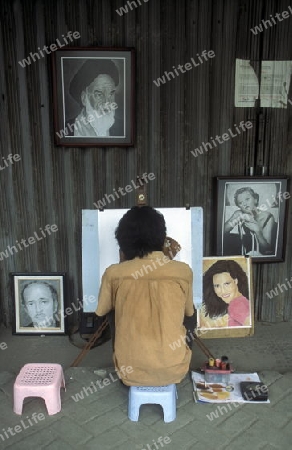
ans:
(228, 393)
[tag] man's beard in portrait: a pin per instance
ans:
(104, 117)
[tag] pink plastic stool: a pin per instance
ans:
(39, 380)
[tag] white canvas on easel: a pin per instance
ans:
(100, 249)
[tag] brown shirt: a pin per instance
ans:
(150, 297)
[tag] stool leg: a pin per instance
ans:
(169, 407)
(169, 414)
(133, 409)
(53, 402)
(134, 414)
(63, 385)
(18, 402)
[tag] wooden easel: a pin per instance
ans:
(141, 200)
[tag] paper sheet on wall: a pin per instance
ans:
(246, 84)
(274, 84)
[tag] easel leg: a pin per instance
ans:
(203, 347)
(89, 344)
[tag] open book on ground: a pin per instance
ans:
(222, 393)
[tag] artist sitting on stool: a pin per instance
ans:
(150, 295)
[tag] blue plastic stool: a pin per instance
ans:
(160, 395)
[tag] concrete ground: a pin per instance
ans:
(99, 420)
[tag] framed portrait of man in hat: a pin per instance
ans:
(93, 97)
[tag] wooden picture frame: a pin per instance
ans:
(93, 92)
(227, 308)
(39, 303)
(251, 216)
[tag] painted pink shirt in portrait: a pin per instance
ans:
(238, 311)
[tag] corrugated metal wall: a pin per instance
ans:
(51, 185)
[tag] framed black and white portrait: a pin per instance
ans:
(251, 217)
(38, 303)
(93, 96)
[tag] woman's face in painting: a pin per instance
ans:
(225, 286)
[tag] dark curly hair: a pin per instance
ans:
(246, 189)
(214, 305)
(141, 231)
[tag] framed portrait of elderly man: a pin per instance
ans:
(251, 217)
(38, 303)
(93, 90)
(227, 308)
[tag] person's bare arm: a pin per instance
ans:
(233, 221)
(264, 235)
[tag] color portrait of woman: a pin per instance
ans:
(225, 296)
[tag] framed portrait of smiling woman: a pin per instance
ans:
(38, 303)
(227, 307)
(251, 217)
(93, 90)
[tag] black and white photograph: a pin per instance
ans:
(38, 303)
(94, 97)
(251, 217)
